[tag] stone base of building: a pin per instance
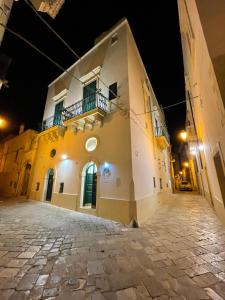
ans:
(123, 211)
(219, 209)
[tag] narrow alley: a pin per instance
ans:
(48, 252)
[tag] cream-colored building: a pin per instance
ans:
(202, 24)
(16, 161)
(5, 9)
(51, 7)
(102, 150)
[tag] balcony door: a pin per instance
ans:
(58, 113)
(89, 96)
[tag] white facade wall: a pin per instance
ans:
(209, 113)
(131, 153)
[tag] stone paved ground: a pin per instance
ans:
(52, 253)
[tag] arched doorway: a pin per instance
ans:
(89, 185)
(50, 180)
(26, 178)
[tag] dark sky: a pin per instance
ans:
(156, 31)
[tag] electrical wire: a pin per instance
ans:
(74, 77)
(168, 106)
(67, 45)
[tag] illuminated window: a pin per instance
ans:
(91, 144)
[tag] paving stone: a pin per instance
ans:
(158, 260)
(42, 279)
(27, 282)
(50, 292)
(95, 267)
(6, 294)
(20, 295)
(9, 272)
(127, 294)
(16, 263)
(206, 279)
(36, 293)
(26, 254)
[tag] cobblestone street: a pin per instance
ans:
(53, 253)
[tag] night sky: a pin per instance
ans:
(155, 29)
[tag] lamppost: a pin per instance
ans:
(3, 124)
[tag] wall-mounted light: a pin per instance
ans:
(106, 165)
(64, 156)
(201, 147)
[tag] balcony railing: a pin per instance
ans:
(96, 100)
(51, 122)
(93, 101)
(161, 131)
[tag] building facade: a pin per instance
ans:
(102, 150)
(5, 9)
(17, 155)
(202, 32)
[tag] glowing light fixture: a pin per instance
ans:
(193, 152)
(201, 147)
(106, 165)
(183, 135)
(64, 156)
(2, 122)
(180, 172)
(186, 164)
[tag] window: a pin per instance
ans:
(114, 39)
(154, 183)
(37, 186)
(53, 153)
(160, 182)
(91, 144)
(113, 91)
(61, 187)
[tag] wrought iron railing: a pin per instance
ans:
(162, 131)
(52, 121)
(95, 100)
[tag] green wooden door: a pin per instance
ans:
(89, 96)
(90, 186)
(58, 113)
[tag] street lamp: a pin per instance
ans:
(186, 164)
(2, 122)
(183, 135)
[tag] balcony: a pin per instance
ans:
(162, 137)
(84, 113)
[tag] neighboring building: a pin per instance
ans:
(16, 161)
(202, 24)
(51, 7)
(5, 8)
(103, 151)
